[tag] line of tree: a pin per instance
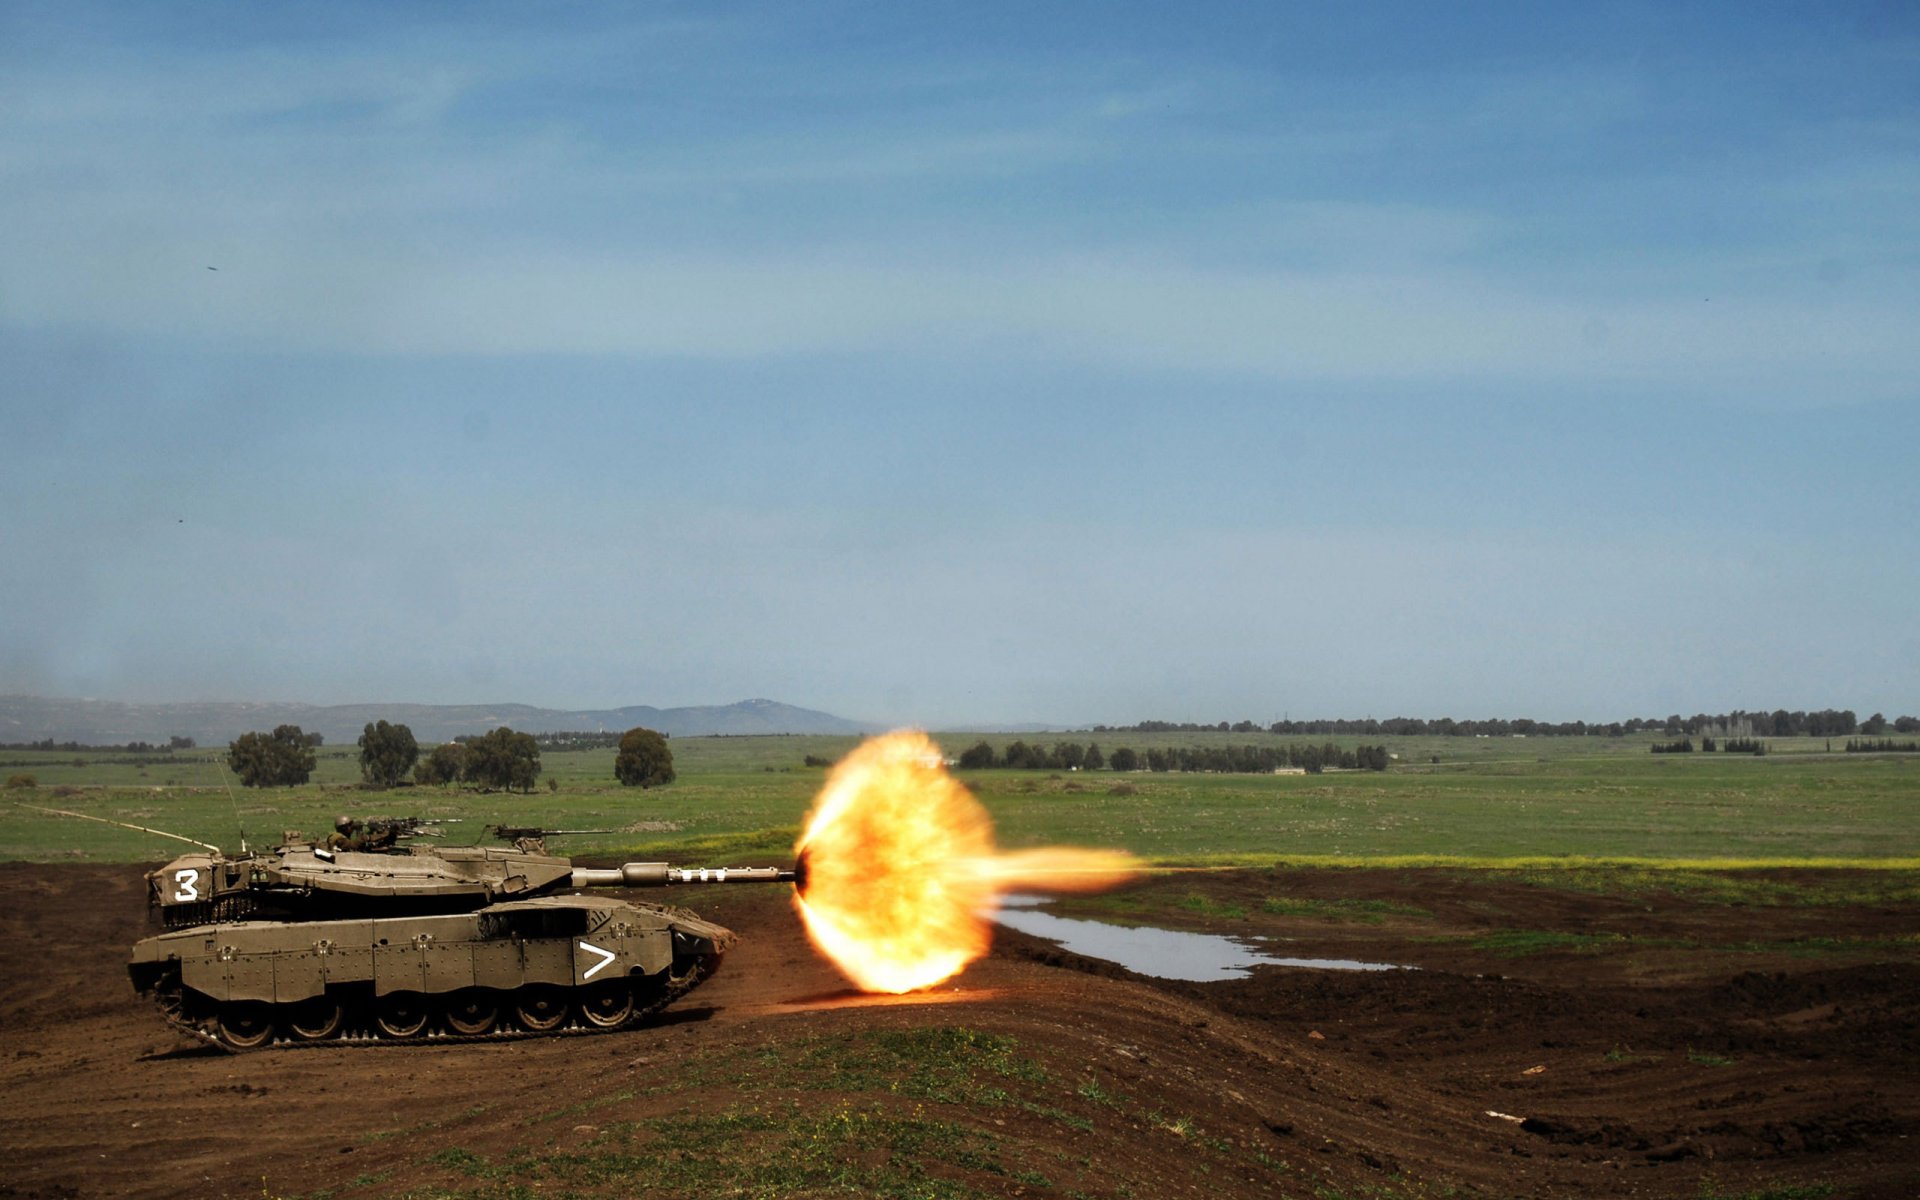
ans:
(1237, 760)
(1883, 746)
(577, 739)
(1729, 745)
(173, 743)
(1780, 722)
(500, 759)
(1681, 747)
(159, 758)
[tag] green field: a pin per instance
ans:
(1464, 800)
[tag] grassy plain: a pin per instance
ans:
(1552, 802)
(1589, 858)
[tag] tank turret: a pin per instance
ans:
(309, 943)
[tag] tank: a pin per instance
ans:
(317, 944)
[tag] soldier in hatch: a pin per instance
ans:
(362, 837)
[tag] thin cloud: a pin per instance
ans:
(1106, 311)
(792, 331)
(406, 200)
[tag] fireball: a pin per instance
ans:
(899, 870)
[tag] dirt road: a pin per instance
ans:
(1725, 1073)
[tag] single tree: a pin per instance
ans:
(387, 753)
(977, 757)
(278, 759)
(503, 759)
(1124, 759)
(644, 760)
(447, 763)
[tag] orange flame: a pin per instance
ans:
(901, 874)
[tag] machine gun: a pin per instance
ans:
(513, 833)
(533, 838)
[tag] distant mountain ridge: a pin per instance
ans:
(108, 722)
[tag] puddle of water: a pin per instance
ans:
(1162, 953)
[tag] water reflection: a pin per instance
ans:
(1162, 953)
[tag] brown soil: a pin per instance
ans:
(1650, 1068)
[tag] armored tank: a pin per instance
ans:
(313, 944)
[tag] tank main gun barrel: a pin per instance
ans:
(637, 874)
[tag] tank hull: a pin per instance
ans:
(532, 967)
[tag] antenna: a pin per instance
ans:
(232, 800)
(61, 812)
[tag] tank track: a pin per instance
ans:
(202, 1029)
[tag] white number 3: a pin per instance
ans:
(186, 885)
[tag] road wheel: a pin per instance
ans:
(541, 1007)
(245, 1024)
(607, 1005)
(315, 1020)
(401, 1015)
(687, 969)
(472, 1012)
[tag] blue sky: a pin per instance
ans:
(1094, 363)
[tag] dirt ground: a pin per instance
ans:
(1747, 1070)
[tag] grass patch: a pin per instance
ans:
(774, 845)
(583, 1107)
(1822, 947)
(939, 1064)
(951, 1065)
(773, 1151)
(1057, 1114)
(1371, 912)
(1725, 887)
(382, 1135)
(1093, 1091)
(1206, 906)
(1549, 864)
(1519, 943)
(460, 1159)
(1140, 907)
(1809, 1191)
(912, 1113)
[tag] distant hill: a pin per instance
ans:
(106, 722)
